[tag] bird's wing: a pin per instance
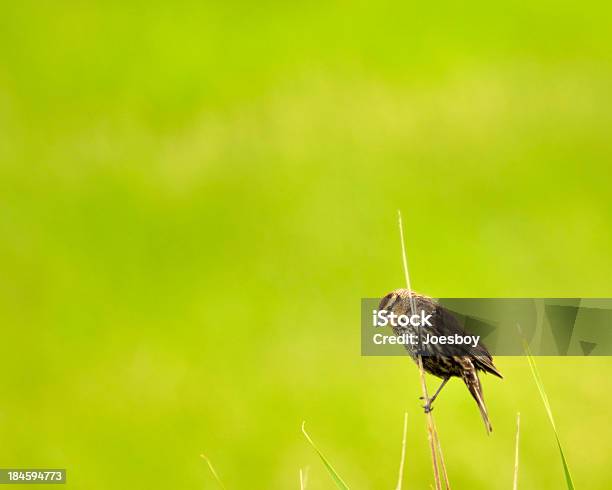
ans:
(449, 324)
(485, 363)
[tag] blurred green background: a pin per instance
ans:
(195, 196)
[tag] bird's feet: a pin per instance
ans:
(428, 405)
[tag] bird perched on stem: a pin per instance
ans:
(441, 360)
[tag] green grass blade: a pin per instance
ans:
(337, 480)
(540, 385)
(212, 470)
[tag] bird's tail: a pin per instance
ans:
(473, 383)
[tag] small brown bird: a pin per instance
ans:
(443, 361)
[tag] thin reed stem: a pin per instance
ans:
(441, 455)
(303, 479)
(516, 450)
(400, 477)
(431, 429)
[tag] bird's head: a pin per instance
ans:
(397, 301)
